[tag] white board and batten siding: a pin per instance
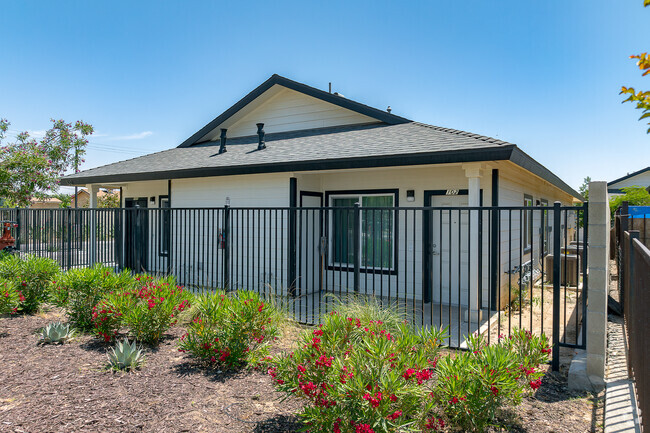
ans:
(514, 186)
(289, 110)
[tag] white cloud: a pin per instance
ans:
(136, 136)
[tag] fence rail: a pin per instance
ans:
(633, 261)
(471, 269)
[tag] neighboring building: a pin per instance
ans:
(638, 178)
(83, 196)
(46, 203)
(289, 144)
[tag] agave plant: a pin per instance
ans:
(55, 333)
(125, 356)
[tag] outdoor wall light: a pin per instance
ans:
(410, 195)
(227, 201)
(152, 199)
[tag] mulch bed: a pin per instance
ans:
(66, 388)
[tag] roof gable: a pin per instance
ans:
(285, 105)
(628, 176)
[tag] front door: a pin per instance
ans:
(446, 247)
(136, 234)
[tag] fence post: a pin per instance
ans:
(557, 222)
(631, 315)
(226, 247)
(19, 229)
(357, 246)
(598, 271)
(68, 248)
(623, 227)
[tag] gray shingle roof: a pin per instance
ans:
(333, 143)
(356, 146)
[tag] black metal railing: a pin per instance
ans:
(633, 266)
(472, 269)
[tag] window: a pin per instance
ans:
(528, 222)
(376, 230)
(164, 220)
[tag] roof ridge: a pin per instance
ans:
(463, 133)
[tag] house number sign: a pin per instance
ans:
(452, 192)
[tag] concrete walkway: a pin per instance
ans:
(620, 402)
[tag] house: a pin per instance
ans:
(83, 197)
(287, 146)
(638, 178)
(44, 203)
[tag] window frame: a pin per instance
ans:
(527, 224)
(164, 229)
(545, 226)
(329, 229)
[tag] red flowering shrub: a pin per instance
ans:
(473, 385)
(9, 296)
(231, 330)
(148, 310)
(362, 376)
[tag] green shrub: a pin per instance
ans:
(80, 290)
(148, 310)
(33, 276)
(473, 386)
(231, 330)
(365, 375)
(9, 297)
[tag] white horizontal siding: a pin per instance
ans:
(290, 111)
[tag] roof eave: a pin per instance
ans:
(523, 160)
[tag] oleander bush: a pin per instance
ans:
(357, 374)
(79, 291)
(473, 386)
(231, 330)
(9, 297)
(33, 276)
(146, 310)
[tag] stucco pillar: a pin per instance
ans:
(92, 223)
(598, 272)
(473, 174)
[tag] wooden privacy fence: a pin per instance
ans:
(633, 261)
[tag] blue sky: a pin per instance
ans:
(544, 75)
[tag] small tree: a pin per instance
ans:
(584, 188)
(641, 98)
(634, 195)
(32, 168)
(109, 200)
(66, 199)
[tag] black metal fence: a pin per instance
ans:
(633, 260)
(486, 269)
